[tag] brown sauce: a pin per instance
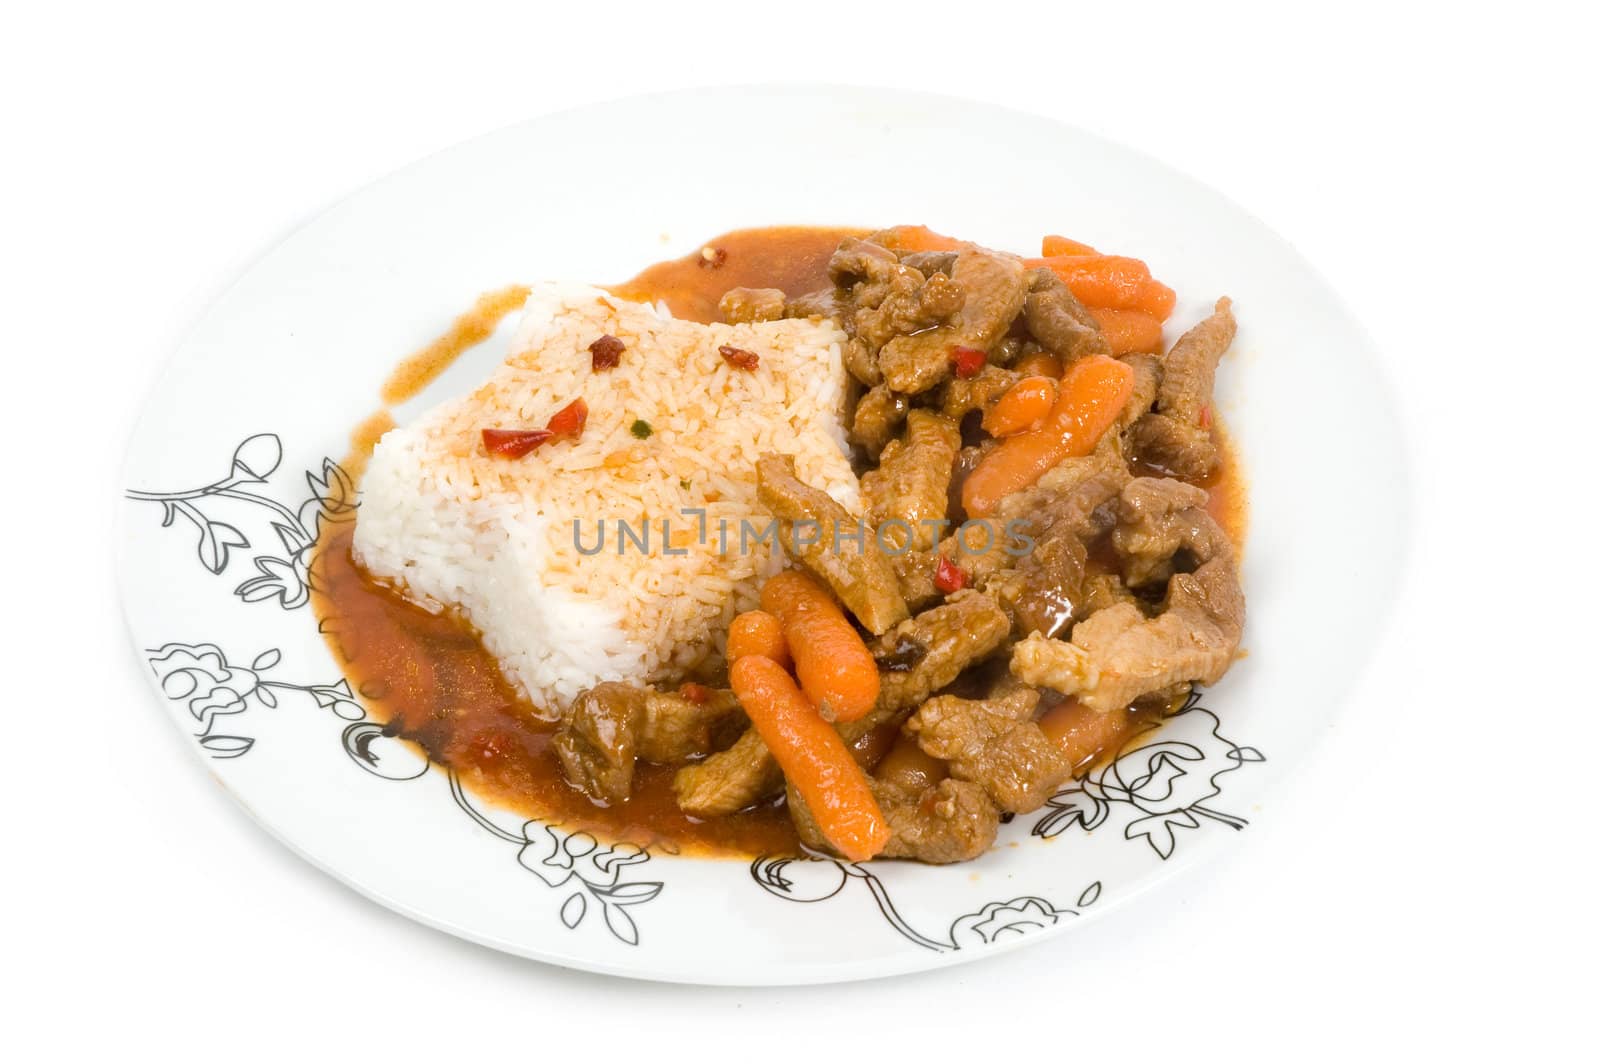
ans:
(472, 328)
(429, 679)
(791, 257)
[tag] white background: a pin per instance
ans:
(1423, 884)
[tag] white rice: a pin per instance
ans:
(454, 527)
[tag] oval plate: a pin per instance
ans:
(231, 471)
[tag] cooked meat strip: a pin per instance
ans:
(964, 629)
(1045, 591)
(930, 262)
(844, 557)
(1156, 518)
(1058, 321)
(1194, 638)
(994, 743)
(993, 286)
(960, 397)
(1102, 590)
(1176, 436)
(597, 741)
(861, 262)
(739, 305)
(1070, 499)
(911, 484)
(1040, 661)
(1117, 654)
(674, 728)
(823, 303)
(611, 725)
(878, 298)
(879, 415)
(730, 780)
(1146, 385)
(915, 569)
(948, 822)
(910, 304)
(861, 361)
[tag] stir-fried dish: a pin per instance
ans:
(862, 542)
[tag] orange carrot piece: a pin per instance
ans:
(1083, 733)
(1024, 403)
(906, 238)
(814, 759)
(1092, 394)
(757, 632)
(1158, 299)
(907, 766)
(1101, 280)
(1128, 331)
(1060, 245)
(1039, 364)
(833, 664)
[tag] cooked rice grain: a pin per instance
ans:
(453, 527)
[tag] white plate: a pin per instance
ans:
(269, 383)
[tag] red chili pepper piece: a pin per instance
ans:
(514, 443)
(606, 352)
(738, 357)
(570, 419)
(695, 692)
(948, 577)
(967, 361)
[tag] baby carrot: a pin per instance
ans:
(757, 632)
(1060, 245)
(1158, 299)
(1128, 331)
(1084, 733)
(1101, 280)
(833, 664)
(1039, 364)
(813, 757)
(1022, 404)
(1093, 393)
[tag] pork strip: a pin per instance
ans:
(994, 743)
(1176, 436)
(911, 484)
(843, 555)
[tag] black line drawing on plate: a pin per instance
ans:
(285, 578)
(816, 877)
(579, 861)
(213, 689)
(1157, 788)
(200, 676)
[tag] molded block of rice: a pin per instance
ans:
(511, 542)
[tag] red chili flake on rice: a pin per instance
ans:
(570, 419)
(738, 357)
(967, 361)
(514, 443)
(948, 577)
(606, 352)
